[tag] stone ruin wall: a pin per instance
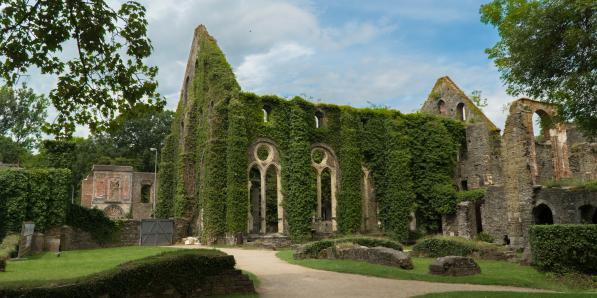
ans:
(117, 191)
(510, 166)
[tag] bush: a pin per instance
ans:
(484, 237)
(312, 249)
(93, 221)
(441, 246)
(149, 276)
(564, 248)
(435, 247)
(8, 247)
(473, 195)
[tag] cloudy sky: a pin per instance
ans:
(343, 52)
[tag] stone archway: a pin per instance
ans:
(588, 214)
(114, 212)
(266, 213)
(325, 164)
(542, 215)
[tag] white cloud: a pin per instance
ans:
(286, 48)
(257, 69)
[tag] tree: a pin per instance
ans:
(477, 97)
(95, 52)
(131, 134)
(548, 50)
(10, 152)
(22, 115)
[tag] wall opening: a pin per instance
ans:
(588, 214)
(478, 217)
(319, 119)
(255, 194)
(541, 125)
(441, 107)
(266, 114)
(185, 90)
(464, 185)
(326, 194)
(542, 215)
(461, 111)
(145, 193)
(271, 200)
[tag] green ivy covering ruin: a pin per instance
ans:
(204, 166)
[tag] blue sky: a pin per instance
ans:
(343, 52)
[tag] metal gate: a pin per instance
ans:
(156, 232)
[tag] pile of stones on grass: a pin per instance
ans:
(389, 253)
(371, 250)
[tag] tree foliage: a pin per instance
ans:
(22, 115)
(548, 50)
(95, 52)
(133, 133)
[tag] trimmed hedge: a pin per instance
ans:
(313, 248)
(564, 248)
(185, 271)
(39, 195)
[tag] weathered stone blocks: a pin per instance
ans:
(454, 266)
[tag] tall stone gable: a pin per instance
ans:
(209, 85)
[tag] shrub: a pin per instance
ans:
(441, 246)
(9, 245)
(473, 195)
(564, 248)
(94, 221)
(149, 276)
(484, 237)
(435, 247)
(8, 248)
(314, 248)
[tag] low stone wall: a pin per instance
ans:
(73, 238)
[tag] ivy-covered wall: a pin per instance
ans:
(204, 167)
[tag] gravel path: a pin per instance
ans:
(280, 279)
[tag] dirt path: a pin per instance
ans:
(280, 279)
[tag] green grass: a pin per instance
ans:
(492, 272)
(47, 267)
(504, 295)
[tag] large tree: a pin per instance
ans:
(94, 52)
(22, 115)
(548, 50)
(131, 135)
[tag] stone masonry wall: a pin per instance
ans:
(493, 213)
(565, 203)
(583, 161)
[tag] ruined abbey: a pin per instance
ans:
(239, 165)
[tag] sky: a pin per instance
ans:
(347, 52)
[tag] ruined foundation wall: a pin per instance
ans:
(494, 213)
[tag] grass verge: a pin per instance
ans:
(492, 272)
(47, 267)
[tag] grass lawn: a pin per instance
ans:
(492, 272)
(46, 267)
(505, 295)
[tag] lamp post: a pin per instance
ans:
(155, 180)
